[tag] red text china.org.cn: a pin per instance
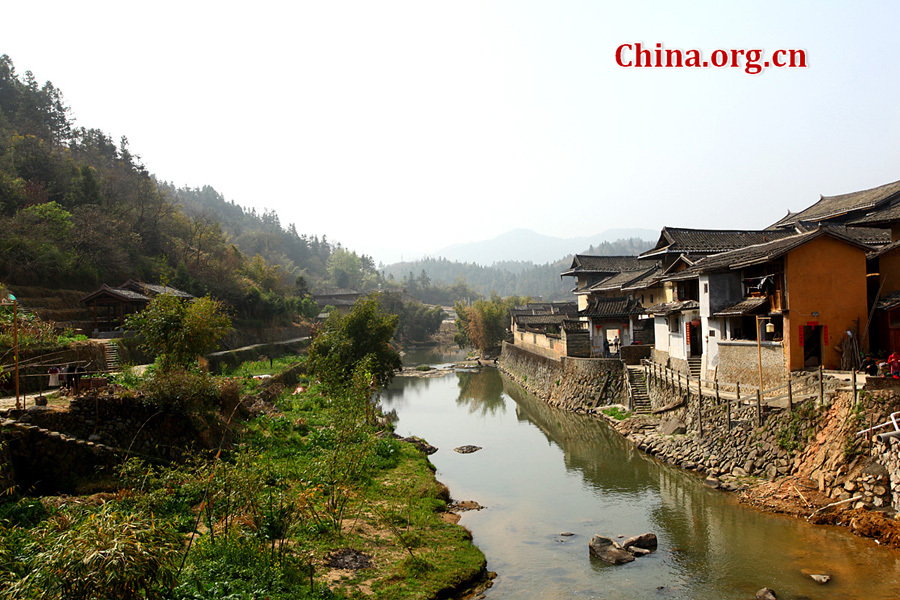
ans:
(752, 61)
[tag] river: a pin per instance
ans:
(543, 472)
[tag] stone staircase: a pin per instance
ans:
(695, 364)
(111, 354)
(640, 397)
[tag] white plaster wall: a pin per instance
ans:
(661, 333)
(714, 332)
(704, 298)
(677, 346)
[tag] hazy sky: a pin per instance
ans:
(398, 128)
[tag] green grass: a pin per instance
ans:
(298, 486)
(616, 413)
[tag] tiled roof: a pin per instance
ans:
(870, 236)
(545, 308)
(786, 221)
(889, 302)
(572, 325)
(883, 215)
(121, 294)
(760, 253)
(612, 307)
(674, 240)
(670, 308)
(623, 279)
(153, 289)
(535, 320)
(744, 307)
(883, 250)
(647, 280)
(587, 263)
(830, 207)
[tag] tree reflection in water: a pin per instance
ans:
(482, 391)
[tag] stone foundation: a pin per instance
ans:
(574, 383)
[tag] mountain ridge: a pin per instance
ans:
(526, 245)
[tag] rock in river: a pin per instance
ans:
(646, 541)
(468, 449)
(609, 551)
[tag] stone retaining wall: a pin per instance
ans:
(44, 461)
(124, 422)
(573, 383)
(729, 442)
(890, 458)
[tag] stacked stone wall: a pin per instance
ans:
(635, 353)
(889, 453)
(131, 423)
(729, 441)
(579, 384)
(676, 364)
(577, 343)
(44, 461)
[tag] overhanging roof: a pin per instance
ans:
(744, 307)
(832, 207)
(762, 253)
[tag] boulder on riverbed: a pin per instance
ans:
(646, 541)
(672, 426)
(421, 444)
(766, 594)
(609, 551)
(467, 449)
(817, 576)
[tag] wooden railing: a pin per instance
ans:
(788, 395)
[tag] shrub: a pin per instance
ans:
(99, 555)
(182, 390)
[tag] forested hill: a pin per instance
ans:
(78, 209)
(507, 278)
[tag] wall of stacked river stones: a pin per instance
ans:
(579, 384)
(731, 442)
(47, 451)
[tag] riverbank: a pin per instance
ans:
(306, 500)
(807, 464)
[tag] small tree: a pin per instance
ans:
(345, 342)
(178, 331)
(484, 323)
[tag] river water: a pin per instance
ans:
(543, 472)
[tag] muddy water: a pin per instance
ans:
(543, 472)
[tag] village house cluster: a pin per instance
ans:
(816, 288)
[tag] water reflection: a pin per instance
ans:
(544, 471)
(481, 391)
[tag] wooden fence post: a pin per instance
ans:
(728, 412)
(759, 408)
(821, 387)
(790, 395)
(853, 382)
(700, 405)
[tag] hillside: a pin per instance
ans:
(507, 278)
(531, 247)
(78, 209)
